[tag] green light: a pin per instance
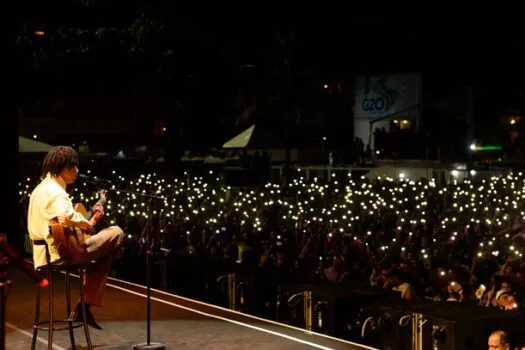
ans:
(488, 148)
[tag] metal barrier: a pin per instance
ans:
(163, 264)
(242, 286)
(307, 300)
(306, 297)
(236, 299)
(417, 331)
(232, 289)
(318, 308)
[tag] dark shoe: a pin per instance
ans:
(90, 319)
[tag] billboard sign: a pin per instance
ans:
(382, 95)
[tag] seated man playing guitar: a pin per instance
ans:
(49, 207)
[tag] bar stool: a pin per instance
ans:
(67, 269)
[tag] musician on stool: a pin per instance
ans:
(49, 201)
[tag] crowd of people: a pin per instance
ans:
(460, 243)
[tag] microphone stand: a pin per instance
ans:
(148, 345)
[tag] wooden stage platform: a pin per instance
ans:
(177, 322)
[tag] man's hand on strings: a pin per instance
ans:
(98, 209)
(98, 213)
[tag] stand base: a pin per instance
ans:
(150, 346)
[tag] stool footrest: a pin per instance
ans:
(76, 324)
(70, 321)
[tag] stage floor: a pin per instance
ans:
(178, 323)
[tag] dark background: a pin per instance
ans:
(276, 57)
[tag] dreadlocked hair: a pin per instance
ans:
(58, 159)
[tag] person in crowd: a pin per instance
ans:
(499, 340)
(398, 280)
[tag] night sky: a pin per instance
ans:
(449, 44)
(191, 53)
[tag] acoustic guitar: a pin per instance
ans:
(70, 240)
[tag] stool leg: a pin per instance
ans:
(68, 310)
(51, 308)
(37, 317)
(83, 305)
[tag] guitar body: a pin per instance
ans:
(70, 240)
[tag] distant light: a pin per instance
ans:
(513, 121)
(473, 172)
(35, 136)
(473, 146)
(39, 33)
(324, 138)
(325, 86)
(163, 129)
(486, 148)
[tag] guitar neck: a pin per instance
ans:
(101, 201)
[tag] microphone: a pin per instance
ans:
(93, 179)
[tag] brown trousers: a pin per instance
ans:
(105, 243)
